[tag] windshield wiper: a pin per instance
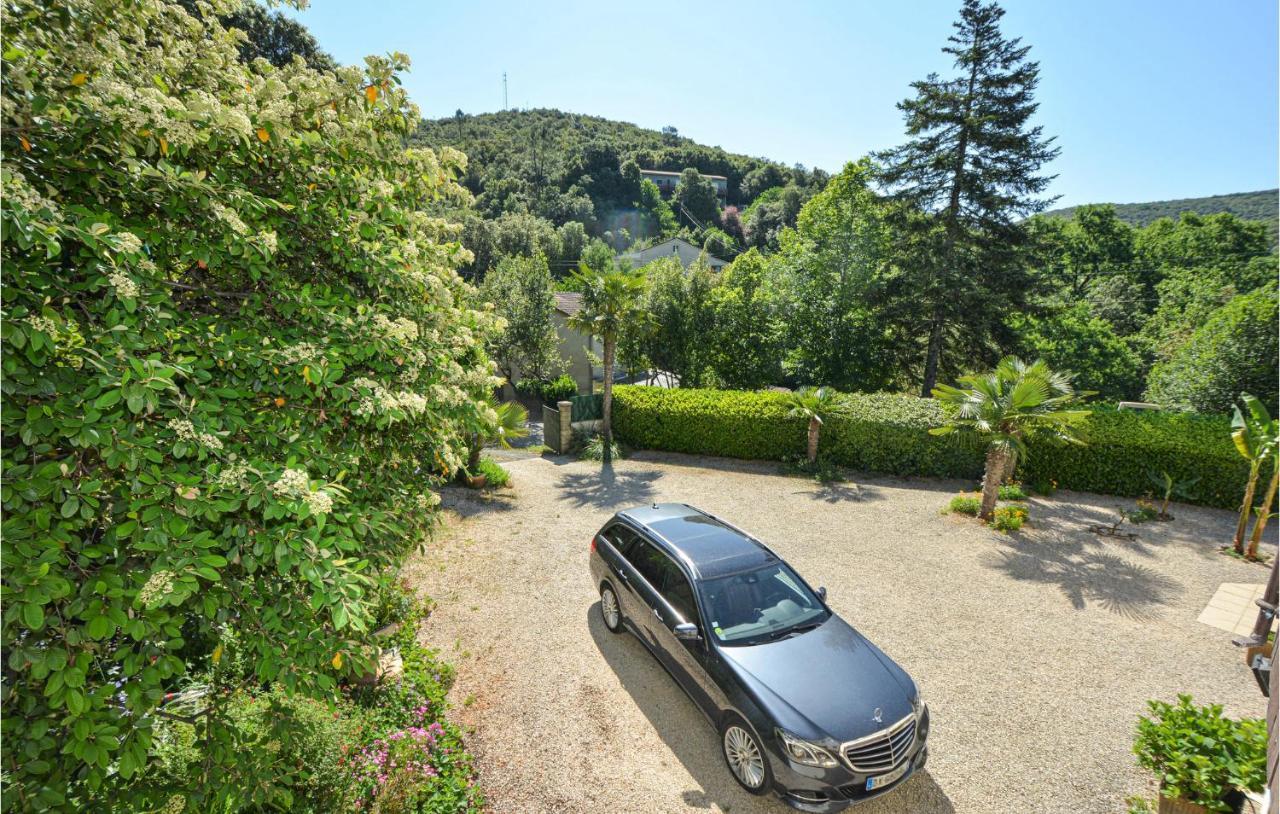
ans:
(793, 631)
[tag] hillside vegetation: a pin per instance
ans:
(1259, 205)
(552, 181)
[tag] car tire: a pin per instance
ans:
(744, 755)
(610, 608)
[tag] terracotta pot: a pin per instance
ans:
(1177, 805)
(477, 481)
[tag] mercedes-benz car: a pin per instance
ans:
(805, 705)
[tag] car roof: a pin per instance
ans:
(710, 547)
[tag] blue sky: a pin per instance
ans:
(1149, 100)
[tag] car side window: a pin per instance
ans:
(679, 593)
(623, 539)
(649, 561)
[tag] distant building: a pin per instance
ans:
(666, 182)
(577, 349)
(686, 251)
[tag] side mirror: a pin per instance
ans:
(822, 593)
(686, 631)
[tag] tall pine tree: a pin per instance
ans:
(972, 165)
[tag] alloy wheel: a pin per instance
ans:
(609, 607)
(744, 757)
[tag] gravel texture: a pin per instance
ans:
(1035, 651)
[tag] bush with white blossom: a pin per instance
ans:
(236, 357)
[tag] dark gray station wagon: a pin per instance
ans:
(804, 704)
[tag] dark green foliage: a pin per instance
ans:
(496, 476)
(1123, 446)
(588, 154)
(272, 36)
(694, 200)
(973, 162)
(1072, 339)
(553, 391)
(521, 291)
(747, 347)
(678, 336)
(1234, 352)
(887, 433)
(1200, 755)
(1260, 205)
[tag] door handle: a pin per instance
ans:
(657, 615)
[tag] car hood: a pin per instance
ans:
(828, 682)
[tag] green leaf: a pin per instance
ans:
(33, 616)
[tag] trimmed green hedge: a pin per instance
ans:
(889, 433)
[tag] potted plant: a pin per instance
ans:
(1201, 758)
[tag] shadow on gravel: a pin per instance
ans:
(695, 743)
(1087, 573)
(841, 492)
(607, 488)
(470, 502)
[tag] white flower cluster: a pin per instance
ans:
(43, 324)
(381, 399)
(383, 188)
(414, 360)
(19, 194)
(187, 432)
(176, 804)
(157, 588)
(400, 330)
(302, 352)
(267, 240)
(128, 243)
(229, 217)
(427, 502)
(292, 483)
(125, 287)
(319, 501)
(234, 475)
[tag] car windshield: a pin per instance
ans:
(758, 606)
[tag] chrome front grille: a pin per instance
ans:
(881, 751)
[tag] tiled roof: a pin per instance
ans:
(568, 302)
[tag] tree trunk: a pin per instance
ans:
(1245, 506)
(1261, 522)
(1010, 465)
(991, 481)
(814, 425)
(931, 358)
(607, 435)
(473, 455)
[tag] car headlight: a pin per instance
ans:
(918, 706)
(801, 751)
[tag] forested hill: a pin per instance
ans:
(550, 161)
(1259, 205)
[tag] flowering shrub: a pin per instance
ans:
(236, 360)
(1008, 518)
(398, 765)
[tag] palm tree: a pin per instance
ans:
(1254, 432)
(1005, 406)
(612, 304)
(506, 423)
(817, 405)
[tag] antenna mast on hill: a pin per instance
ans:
(504, 90)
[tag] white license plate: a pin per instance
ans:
(880, 781)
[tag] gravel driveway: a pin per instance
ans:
(1036, 651)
